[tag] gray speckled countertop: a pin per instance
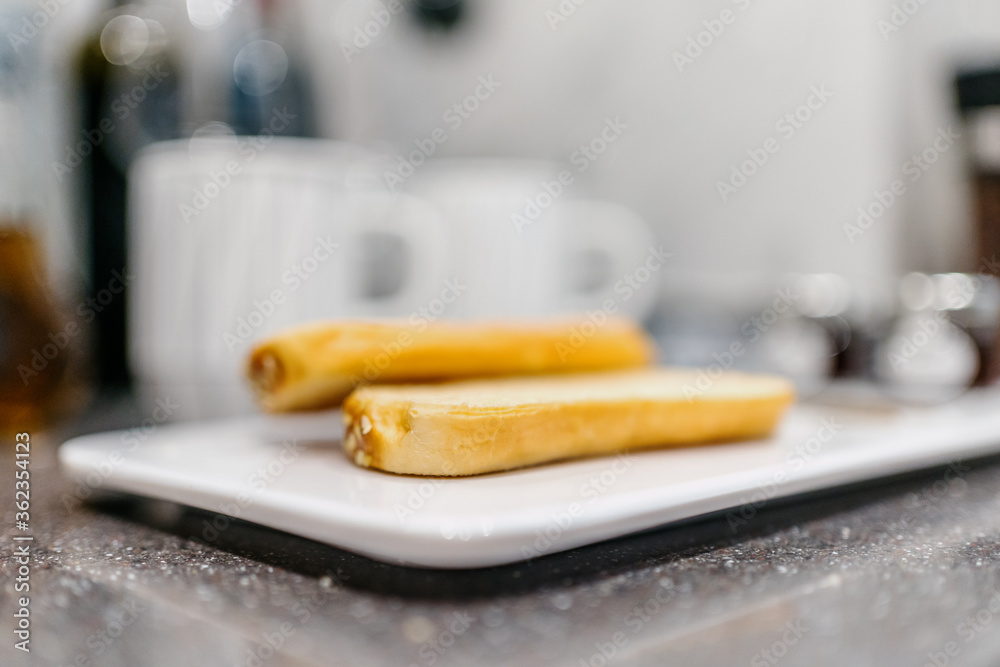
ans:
(903, 572)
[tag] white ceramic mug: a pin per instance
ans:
(529, 243)
(231, 240)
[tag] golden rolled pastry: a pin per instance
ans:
(474, 427)
(318, 365)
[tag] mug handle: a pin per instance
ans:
(609, 252)
(418, 228)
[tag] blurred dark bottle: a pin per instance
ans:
(442, 15)
(35, 349)
(128, 82)
(979, 100)
(270, 91)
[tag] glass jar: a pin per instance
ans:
(35, 347)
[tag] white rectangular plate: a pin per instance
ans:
(307, 486)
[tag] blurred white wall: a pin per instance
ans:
(686, 129)
(561, 79)
(890, 73)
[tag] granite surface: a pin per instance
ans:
(900, 572)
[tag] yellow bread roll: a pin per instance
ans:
(473, 427)
(317, 365)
